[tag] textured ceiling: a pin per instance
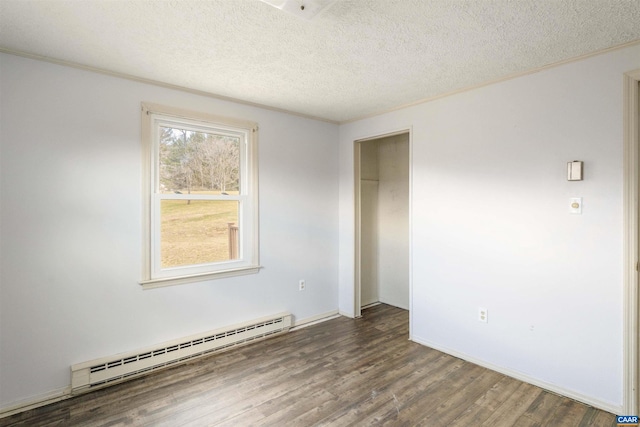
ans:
(354, 59)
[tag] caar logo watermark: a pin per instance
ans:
(627, 420)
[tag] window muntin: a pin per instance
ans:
(201, 195)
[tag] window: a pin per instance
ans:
(201, 196)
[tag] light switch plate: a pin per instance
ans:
(575, 205)
(574, 170)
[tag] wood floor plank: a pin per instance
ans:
(363, 393)
(340, 372)
(508, 413)
(369, 372)
(447, 411)
(417, 402)
(596, 418)
(525, 421)
(487, 404)
(569, 413)
(543, 408)
(374, 376)
(356, 387)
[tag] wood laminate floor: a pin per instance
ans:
(337, 373)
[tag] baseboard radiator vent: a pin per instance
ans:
(109, 370)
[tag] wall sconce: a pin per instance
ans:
(574, 170)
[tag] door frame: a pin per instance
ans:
(357, 286)
(631, 374)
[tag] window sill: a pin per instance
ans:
(181, 280)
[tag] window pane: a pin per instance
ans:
(193, 161)
(198, 231)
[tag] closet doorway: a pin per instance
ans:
(382, 184)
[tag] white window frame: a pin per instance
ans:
(154, 116)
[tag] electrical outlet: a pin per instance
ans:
(483, 315)
(576, 206)
(301, 285)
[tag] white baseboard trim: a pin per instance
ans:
(596, 403)
(394, 305)
(345, 314)
(303, 323)
(36, 401)
(373, 304)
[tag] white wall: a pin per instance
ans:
(393, 220)
(491, 224)
(384, 216)
(71, 225)
(369, 283)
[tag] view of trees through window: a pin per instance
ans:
(199, 163)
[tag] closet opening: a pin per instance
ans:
(382, 196)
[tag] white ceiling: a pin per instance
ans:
(354, 59)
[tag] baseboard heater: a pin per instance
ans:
(110, 370)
